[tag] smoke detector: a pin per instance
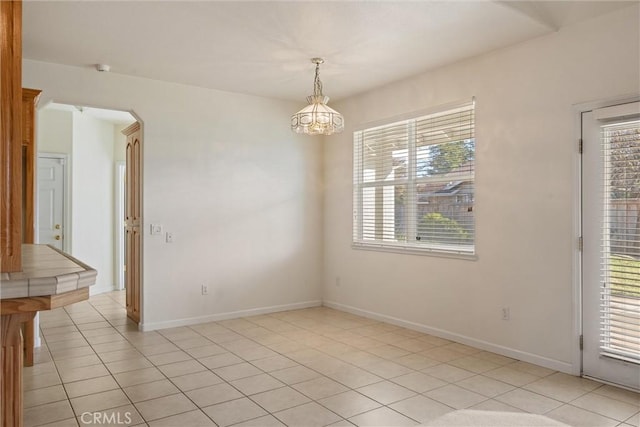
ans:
(103, 68)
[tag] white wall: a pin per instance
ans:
(526, 185)
(240, 192)
(55, 131)
(92, 202)
(92, 146)
(54, 134)
(244, 200)
(119, 143)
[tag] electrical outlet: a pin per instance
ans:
(506, 313)
(156, 229)
(205, 290)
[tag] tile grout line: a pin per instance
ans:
(102, 361)
(313, 317)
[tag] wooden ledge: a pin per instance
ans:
(47, 302)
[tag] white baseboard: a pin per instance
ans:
(96, 290)
(484, 345)
(556, 365)
(37, 341)
(225, 316)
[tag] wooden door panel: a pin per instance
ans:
(133, 214)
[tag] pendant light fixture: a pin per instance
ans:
(317, 118)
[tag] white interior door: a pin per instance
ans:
(611, 251)
(51, 201)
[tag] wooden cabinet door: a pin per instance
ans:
(10, 137)
(133, 221)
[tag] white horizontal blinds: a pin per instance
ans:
(383, 182)
(413, 183)
(445, 151)
(620, 293)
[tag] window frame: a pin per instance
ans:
(410, 181)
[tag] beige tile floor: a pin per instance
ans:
(311, 367)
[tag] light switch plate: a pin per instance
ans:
(169, 237)
(156, 229)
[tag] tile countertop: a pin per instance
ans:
(46, 271)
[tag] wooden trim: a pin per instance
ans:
(46, 302)
(28, 332)
(29, 102)
(133, 127)
(11, 414)
(31, 95)
(10, 135)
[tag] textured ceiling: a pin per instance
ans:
(263, 47)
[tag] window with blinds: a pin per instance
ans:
(414, 184)
(620, 293)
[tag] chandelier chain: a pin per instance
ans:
(317, 84)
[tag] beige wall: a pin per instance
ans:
(526, 190)
(55, 131)
(92, 205)
(245, 200)
(92, 146)
(119, 143)
(242, 198)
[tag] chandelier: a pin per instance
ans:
(317, 118)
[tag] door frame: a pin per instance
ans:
(44, 101)
(66, 198)
(119, 177)
(579, 109)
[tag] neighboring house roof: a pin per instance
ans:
(450, 183)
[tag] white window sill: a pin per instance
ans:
(414, 250)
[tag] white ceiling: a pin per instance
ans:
(263, 47)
